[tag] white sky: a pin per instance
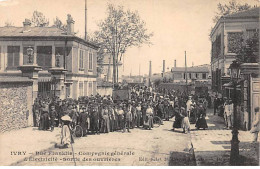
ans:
(178, 25)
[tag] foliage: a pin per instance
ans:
(120, 30)
(230, 8)
(58, 23)
(39, 20)
(249, 51)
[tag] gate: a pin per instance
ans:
(46, 88)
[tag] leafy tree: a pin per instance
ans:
(39, 20)
(230, 8)
(58, 23)
(120, 30)
(249, 50)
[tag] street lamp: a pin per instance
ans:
(235, 75)
(30, 54)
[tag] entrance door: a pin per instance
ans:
(255, 96)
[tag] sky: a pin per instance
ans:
(177, 25)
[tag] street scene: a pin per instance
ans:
(129, 83)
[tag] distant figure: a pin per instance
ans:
(201, 121)
(256, 125)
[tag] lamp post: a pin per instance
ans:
(30, 54)
(234, 74)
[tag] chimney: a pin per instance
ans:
(175, 64)
(163, 66)
(27, 24)
(70, 25)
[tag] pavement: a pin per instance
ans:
(212, 146)
(157, 147)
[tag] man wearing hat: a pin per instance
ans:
(83, 117)
(53, 116)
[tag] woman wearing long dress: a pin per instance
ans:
(201, 121)
(178, 119)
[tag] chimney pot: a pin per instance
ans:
(175, 64)
(27, 23)
(70, 25)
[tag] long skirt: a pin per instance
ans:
(186, 123)
(65, 135)
(177, 123)
(44, 122)
(201, 123)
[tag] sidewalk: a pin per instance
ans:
(213, 146)
(26, 140)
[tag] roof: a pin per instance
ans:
(254, 12)
(190, 69)
(250, 13)
(39, 32)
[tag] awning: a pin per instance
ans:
(44, 79)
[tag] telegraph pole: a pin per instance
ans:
(186, 74)
(85, 19)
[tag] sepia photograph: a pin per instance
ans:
(129, 82)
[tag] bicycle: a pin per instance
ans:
(77, 131)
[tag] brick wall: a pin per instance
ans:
(15, 103)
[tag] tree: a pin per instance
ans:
(58, 24)
(39, 20)
(120, 30)
(230, 8)
(249, 50)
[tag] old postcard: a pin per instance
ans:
(129, 82)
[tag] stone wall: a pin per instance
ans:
(15, 105)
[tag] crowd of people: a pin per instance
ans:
(101, 114)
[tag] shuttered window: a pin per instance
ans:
(13, 57)
(90, 65)
(81, 60)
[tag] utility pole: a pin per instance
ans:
(186, 74)
(150, 72)
(139, 73)
(85, 19)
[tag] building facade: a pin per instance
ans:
(226, 37)
(52, 49)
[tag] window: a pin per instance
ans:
(25, 56)
(90, 64)
(13, 56)
(196, 75)
(235, 40)
(44, 56)
(81, 60)
(184, 75)
(251, 33)
(81, 89)
(59, 51)
(203, 75)
(190, 75)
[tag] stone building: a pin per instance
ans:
(227, 35)
(48, 45)
(42, 62)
